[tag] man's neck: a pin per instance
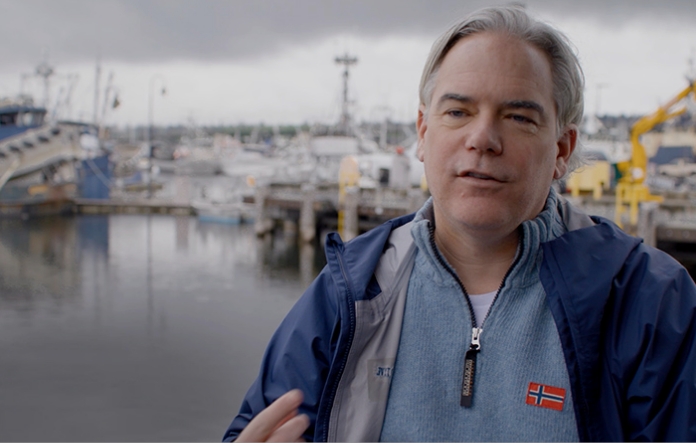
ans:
(480, 260)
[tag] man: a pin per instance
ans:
(498, 312)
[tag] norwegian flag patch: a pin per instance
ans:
(545, 396)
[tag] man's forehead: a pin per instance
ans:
(490, 62)
(490, 45)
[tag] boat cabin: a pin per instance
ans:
(15, 119)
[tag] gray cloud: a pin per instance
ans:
(151, 31)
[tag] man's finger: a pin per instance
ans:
(268, 420)
(292, 430)
(292, 414)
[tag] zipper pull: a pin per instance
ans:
(470, 368)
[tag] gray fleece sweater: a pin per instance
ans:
(521, 388)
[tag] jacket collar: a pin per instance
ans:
(353, 263)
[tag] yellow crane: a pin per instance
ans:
(631, 189)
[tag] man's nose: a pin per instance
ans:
(484, 135)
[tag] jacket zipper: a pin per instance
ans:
(467, 391)
(351, 308)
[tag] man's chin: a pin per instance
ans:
(485, 221)
(487, 226)
(479, 215)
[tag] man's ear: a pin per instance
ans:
(566, 146)
(421, 127)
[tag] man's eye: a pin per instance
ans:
(521, 119)
(455, 113)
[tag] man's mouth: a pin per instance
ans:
(477, 175)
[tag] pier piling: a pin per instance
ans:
(308, 219)
(646, 222)
(350, 213)
(262, 223)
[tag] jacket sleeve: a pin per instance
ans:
(298, 356)
(653, 348)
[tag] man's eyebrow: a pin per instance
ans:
(525, 104)
(513, 104)
(455, 97)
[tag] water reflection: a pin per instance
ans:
(282, 256)
(38, 261)
(137, 328)
(182, 231)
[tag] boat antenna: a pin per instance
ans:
(45, 71)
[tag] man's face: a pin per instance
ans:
(488, 138)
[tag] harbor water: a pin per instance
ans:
(137, 327)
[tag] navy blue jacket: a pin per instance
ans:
(625, 314)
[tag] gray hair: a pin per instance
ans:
(568, 79)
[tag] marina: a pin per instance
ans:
(146, 265)
(347, 176)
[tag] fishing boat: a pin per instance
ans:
(44, 166)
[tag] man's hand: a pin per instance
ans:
(279, 421)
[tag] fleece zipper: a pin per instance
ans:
(469, 370)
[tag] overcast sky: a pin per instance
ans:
(272, 61)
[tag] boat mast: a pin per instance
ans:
(345, 121)
(97, 78)
(44, 71)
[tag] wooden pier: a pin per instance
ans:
(135, 206)
(663, 224)
(312, 209)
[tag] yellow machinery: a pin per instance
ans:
(595, 177)
(631, 189)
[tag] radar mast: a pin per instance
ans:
(344, 124)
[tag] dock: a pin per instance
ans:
(132, 206)
(669, 226)
(312, 209)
